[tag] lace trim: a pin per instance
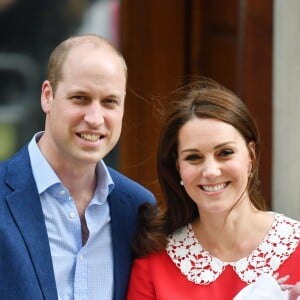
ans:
(201, 268)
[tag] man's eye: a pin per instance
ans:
(78, 97)
(111, 102)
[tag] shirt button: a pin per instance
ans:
(62, 192)
(71, 214)
(81, 257)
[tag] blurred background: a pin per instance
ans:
(250, 46)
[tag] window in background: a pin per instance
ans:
(29, 30)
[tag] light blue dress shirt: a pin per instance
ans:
(81, 272)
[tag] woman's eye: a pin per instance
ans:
(226, 152)
(192, 157)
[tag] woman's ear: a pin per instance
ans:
(251, 147)
(46, 96)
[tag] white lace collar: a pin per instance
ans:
(201, 268)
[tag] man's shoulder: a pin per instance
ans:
(16, 162)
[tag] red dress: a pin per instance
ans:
(186, 271)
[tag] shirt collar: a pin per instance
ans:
(46, 177)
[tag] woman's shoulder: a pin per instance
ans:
(154, 261)
(154, 256)
(283, 222)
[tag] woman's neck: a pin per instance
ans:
(233, 237)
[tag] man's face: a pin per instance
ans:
(84, 117)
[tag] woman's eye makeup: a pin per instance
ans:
(226, 152)
(192, 157)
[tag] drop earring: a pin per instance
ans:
(181, 182)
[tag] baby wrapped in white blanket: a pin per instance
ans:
(265, 288)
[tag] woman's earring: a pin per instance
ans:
(181, 182)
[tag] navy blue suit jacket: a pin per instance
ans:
(26, 270)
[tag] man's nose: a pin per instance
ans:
(94, 115)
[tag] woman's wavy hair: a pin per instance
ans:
(204, 98)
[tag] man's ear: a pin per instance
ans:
(46, 96)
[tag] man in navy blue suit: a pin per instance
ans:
(66, 219)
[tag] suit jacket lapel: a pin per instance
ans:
(25, 207)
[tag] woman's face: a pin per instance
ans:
(214, 164)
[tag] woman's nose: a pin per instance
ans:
(211, 169)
